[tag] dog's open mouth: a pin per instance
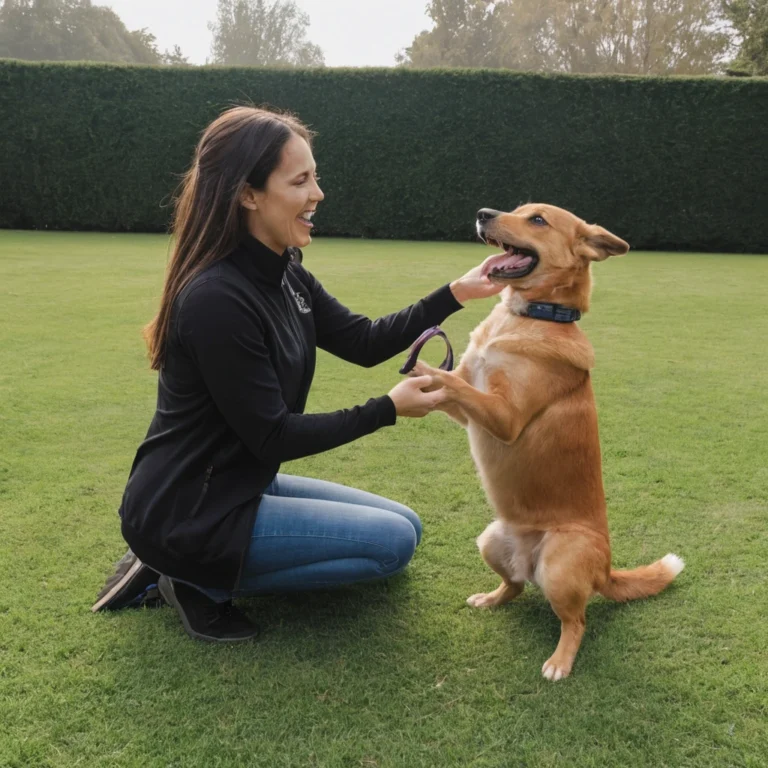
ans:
(513, 263)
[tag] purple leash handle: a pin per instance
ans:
(446, 365)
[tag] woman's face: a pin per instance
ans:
(280, 215)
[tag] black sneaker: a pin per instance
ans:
(133, 584)
(205, 619)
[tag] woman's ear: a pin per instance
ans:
(597, 244)
(248, 198)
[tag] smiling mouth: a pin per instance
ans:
(512, 264)
(306, 217)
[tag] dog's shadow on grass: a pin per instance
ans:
(612, 631)
(533, 616)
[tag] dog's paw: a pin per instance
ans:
(555, 670)
(422, 369)
(482, 600)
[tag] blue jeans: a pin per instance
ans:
(312, 534)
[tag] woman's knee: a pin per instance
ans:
(402, 540)
(413, 519)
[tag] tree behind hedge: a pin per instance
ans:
(750, 19)
(644, 37)
(261, 33)
(75, 30)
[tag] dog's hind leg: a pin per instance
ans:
(497, 547)
(567, 571)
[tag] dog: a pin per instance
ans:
(523, 393)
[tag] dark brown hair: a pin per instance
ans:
(242, 146)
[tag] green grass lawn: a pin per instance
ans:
(401, 673)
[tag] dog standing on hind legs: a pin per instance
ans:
(523, 393)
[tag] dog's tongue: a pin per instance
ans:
(505, 262)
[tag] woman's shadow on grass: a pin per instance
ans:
(378, 625)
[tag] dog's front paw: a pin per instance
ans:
(422, 369)
(482, 600)
(555, 669)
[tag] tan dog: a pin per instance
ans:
(524, 394)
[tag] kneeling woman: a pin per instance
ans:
(234, 343)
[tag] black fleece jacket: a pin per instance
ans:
(239, 362)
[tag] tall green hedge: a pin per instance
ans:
(678, 163)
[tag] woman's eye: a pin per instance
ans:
(538, 220)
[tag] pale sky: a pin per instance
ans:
(352, 33)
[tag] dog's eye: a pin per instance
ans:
(538, 221)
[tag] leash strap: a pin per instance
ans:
(446, 365)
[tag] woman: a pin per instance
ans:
(234, 343)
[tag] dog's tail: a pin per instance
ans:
(644, 581)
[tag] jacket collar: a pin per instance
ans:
(259, 263)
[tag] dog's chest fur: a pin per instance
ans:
(481, 357)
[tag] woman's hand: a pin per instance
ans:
(474, 285)
(410, 399)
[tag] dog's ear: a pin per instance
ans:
(597, 244)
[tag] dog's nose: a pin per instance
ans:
(486, 214)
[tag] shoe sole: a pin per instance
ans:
(127, 576)
(166, 590)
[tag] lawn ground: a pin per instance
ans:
(399, 674)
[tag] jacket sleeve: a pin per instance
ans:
(227, 344)
(366, 342)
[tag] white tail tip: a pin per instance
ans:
(673, 563)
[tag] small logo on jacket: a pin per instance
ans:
(301, 303)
